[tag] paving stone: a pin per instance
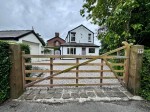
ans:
(66, 91)
(43, 91)
(66, 96)
(89, 89)
(100, 94)
(75, 95)
(57, 95)
(115, 90)
(51, 91)
(58, 90)
(74, 90)
(40, 96)
(23, 97)
(91, 94)
(27, 91)
(30, 97)
(81, 90)
(115, 94)
(36, 91)
(122, 89)
(128, 94)
(49, 96)
(83, 95)
(98, 90)
(105, 89)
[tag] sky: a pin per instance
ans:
(45, 16)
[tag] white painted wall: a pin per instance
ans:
(96, 51)
(79, 51)
(33, 42)
(81, 35)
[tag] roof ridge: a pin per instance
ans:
(55, 37)
(15, 30)
(79, 26)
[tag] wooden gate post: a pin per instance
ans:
(77, 73)
(16, 78)
(136, 56)
(101, 73)
(51, 71)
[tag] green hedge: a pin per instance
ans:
(26, 49)
(5, 66)
(145, 76)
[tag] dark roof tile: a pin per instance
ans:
(79, 45)
(13, 33)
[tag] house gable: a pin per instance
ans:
(30, 38)
(33, 33)
(18, 34)
(80, 34)
(81, 26)
(55, 41)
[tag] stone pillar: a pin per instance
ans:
(136, 56)
(16, 78)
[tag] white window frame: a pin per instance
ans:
(89, 38)
(71, 50)
(91, 52)
(73, 35)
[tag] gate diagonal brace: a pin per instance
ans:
(103, 56)
(121, 82)
(63, 71)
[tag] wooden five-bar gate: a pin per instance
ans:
(117, 60)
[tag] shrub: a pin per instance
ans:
(26, 49)
(5, 66)
(145, 76)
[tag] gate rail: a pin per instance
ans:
(104, 62)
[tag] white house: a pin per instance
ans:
(80, 41)
(28, 37)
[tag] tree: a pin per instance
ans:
(126, 20)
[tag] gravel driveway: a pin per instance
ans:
(81, 81)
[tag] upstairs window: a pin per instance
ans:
(71, 50)
(57, 43)
(91, 50)
(89, 38)
(73, 37)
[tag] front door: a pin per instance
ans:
(83, 51)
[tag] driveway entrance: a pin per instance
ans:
(97, 78)
(61, 95)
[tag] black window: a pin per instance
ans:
(71, 50)
(89, 38)
(68, 51)
(72, 37)
(74, 50)
(91, 50)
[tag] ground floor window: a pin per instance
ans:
(91, 50)
(71, 50)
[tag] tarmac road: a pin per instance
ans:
(117, 106)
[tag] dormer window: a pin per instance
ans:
(73, 36)
(89, 38)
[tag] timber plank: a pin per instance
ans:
(63, 78)
(49, 85)
(47, 71)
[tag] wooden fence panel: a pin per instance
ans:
(75, 68)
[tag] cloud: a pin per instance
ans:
(46, 16)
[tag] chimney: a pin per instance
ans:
(56, 34)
